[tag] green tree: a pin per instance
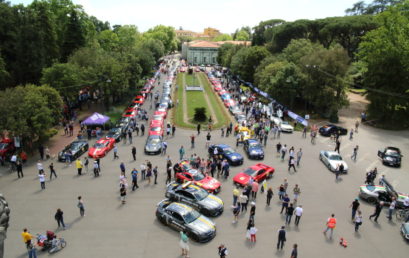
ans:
(74, 37)
(165, 34)
(246, 60)
(156, 47)
(385, 53)
(223, 37)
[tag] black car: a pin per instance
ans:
(390, 156)
(330, 129)
(253, 149)
(153, 144)
(115, 133)
(234, 158)
(195, 196)
(77, 148)
(183, 217)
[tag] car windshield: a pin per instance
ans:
(254, 144)
(390, 152)
(284, 123)
(155, 129)
(76, 145)
(198, 176)
(228, 150)
(200, 194)
(154, 140)
(100, 144)
(249, 171)
(115, 130)
(191, 216)
(335, 157)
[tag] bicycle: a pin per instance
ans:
(402, 214)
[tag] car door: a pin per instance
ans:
(187, 198)
(381, 153)
(260, 175)
(177, 221)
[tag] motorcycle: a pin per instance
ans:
(49, 242)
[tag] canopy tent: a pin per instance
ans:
(95, 119)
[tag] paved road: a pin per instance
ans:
(111, 229)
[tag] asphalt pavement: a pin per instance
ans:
(111, 229)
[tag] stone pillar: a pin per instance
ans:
(4, 222)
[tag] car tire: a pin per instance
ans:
(371, 200)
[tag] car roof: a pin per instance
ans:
(222, 145)
(180, 208)
(332, 153)
(393, 148)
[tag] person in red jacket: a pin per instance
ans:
(331, 223)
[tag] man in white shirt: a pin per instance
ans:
(40, 166)
(41, 176)
(298, 213)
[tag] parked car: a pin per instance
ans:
(253, 149)
(139, 100)
(286, 127)
(234, 158)
(234, 109)
(333, 160)
(206, 182)
(77, 148)
(385, 192)
(195, 196)
(130, 112)
(180, 217)
(328, 130)
(156, 128)
(404, 229)
(390, 156)
(153, 144)
(101, 148)
(115, 133)
(257, 172)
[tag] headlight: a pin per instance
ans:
(253, 152)
(233, 157)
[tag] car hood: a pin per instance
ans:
(286, 126)
(241, 178)
(202, 225)
(235, 156)
(256, 150)
(334, 164)
(212, 202)
(152, 146)
(377, 188)
(208, 183)
(95, 151)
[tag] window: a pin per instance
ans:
(214, 60)
(195, 60)
(204, 59)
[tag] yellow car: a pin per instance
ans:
(245, 132)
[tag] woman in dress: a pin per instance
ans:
(184, 243)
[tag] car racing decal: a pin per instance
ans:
(215, 198)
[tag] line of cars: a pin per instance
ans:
(154, 142)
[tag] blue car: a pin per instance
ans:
(234, 158)
(225, 96)
(253, 149)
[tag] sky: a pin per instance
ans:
(224, 15)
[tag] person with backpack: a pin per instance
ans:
(223, 252)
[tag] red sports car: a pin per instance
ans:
(222, 92)
(206, 182)
(139, 100)
(229, 102)
(156, 128)
(218, 88)
(101, 148)
(130, 112)
(161, 113)
(258, 172)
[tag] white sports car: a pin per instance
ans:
(286, 127)
(333, 160)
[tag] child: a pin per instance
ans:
(236, 212)
(253, 231)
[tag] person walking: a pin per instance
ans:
(281, 192)
(331, 223)
(337, 146)
(354, 153)
(355, 207)
(169, 174)
(294, 252)
(80, 206)
(134, 175)
(243, 200)
(283, 151)
(184, 243)
(223, 252)
(28, 239)
(60, 218)
(269, 195)
(296, 191)
(299, 156)
(122, 167)
(236, 194)
(116, 152)
(253, 230)
(358, 220)
(254, 190)
(52, 171)
(351, 134)
(289, 214)
(391, 208)
(155, 174)
(208, 137)
(377, 212)
(236, 212)
(281, 238)
(133, 151)
(173, 129)
(79, 166)
(96, 168)
(130, 135)
(41, 177)
(284, 204)
(86, 163)
(143, 171)
(19, 167)
(192, 141)
(181, 152)
(291, 164)
(142, 129)
(149, 175)
(122, 193)
(298, 213)
(198, 128)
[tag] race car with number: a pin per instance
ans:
(206, 182)
(101, 148)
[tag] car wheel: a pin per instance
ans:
(371, 200)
